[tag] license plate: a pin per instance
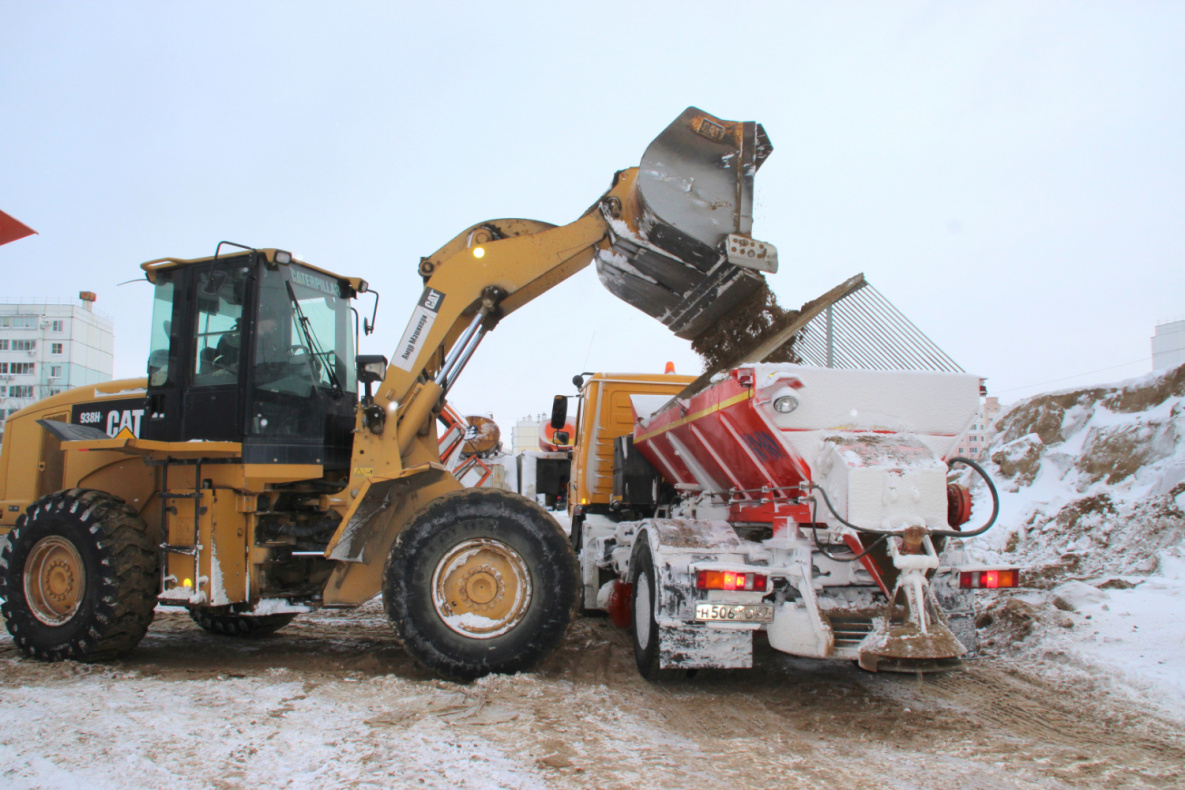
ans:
(735, 612)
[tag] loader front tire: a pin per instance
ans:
(79, 578)
(481, 581)
(244, 625)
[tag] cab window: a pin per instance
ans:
(219, 295)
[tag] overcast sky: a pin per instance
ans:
(1010, 175)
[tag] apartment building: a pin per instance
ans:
(48, 346)
(1168, 345)
(975, 443)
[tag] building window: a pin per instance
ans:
(55, 348)
(3, 394)
(17, 368)
(18, 321)
(55, 371)
(24, 345)
(20, 391)
(3, 345)
(58, 325)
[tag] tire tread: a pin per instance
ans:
(128, 576)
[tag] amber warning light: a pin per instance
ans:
(989, 580)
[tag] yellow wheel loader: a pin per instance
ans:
(260, 469)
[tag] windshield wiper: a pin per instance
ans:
(314, 347)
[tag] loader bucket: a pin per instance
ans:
(682, 251)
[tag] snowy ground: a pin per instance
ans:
(1080, 681)
(332, 701)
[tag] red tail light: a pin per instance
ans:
(989, 580)
(730, 580)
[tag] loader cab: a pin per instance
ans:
(254, 348)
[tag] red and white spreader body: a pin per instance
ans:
(752, 543)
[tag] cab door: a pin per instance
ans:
(213, 402)
(197, 366)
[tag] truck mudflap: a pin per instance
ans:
(682, 252)
(683, 645)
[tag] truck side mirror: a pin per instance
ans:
(559, 412)
(560, 438)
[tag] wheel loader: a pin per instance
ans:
(260, 469)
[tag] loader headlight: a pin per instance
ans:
(479, 252)
(371, 368)
(785, 404)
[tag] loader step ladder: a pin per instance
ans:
(167, 548)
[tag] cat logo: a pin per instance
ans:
(418, 328)
(119, 419)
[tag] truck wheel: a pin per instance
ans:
(240, 624)
(79, 578)
(481, 581)
(643, 600)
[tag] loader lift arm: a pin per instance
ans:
(670, 237)
(475, 280)
(475, 285)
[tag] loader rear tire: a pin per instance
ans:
(481, 581)
(79, 578)
(241, 625)
(644, 626)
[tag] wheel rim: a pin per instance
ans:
(481, 588)
(55, 580)
(642, 610)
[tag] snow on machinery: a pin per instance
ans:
(260, 469)
(806, 502)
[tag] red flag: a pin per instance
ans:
(13, 229)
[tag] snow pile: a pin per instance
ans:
(1092, 490)
(1092, 481)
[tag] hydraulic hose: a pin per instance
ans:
(941, 533)
(954, 533)
(853, 557)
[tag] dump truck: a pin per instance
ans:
(261, 469)
(806, 504)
